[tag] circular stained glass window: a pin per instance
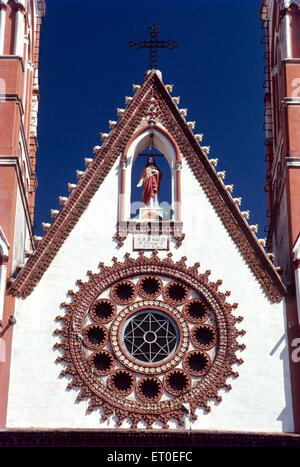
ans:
(150, 336)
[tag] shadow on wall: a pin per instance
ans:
(286, 415)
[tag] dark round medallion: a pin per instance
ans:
(103, 311)
(176, 293)
(123, 292)
(149, 286)
(95, 336)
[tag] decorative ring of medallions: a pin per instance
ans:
(155, 346)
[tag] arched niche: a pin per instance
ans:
(165, 191)
(135, 146)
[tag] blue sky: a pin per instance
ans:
(87, 69)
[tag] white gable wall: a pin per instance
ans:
(260, 398)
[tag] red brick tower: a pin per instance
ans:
(281, 21)
(19, 94)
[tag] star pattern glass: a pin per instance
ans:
(150, 336)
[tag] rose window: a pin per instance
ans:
(150, 336)
(147, 338)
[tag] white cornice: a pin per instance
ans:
(293, 161)
(291, 101)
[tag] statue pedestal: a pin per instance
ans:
(155, 213)
(148, 214)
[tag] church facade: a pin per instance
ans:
(172, 320)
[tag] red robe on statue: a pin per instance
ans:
(151, 177)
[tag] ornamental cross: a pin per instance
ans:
(153, 44)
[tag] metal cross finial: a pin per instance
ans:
(153, 44)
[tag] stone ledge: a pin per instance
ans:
(137, 438)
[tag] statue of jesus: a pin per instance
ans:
(150, 180)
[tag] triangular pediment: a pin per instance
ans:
(152, 101)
